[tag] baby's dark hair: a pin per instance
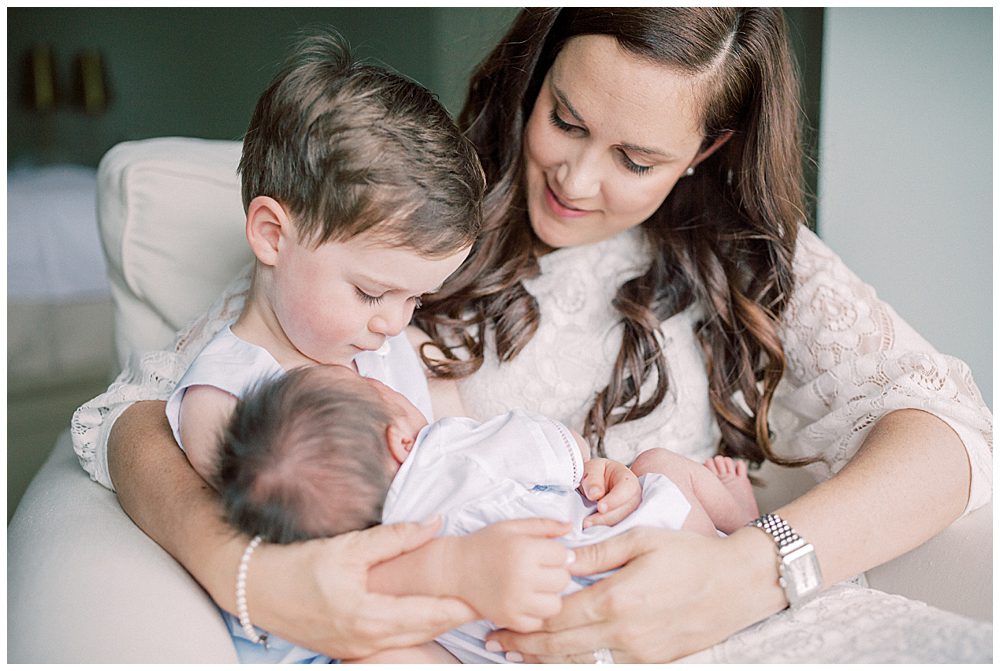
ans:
(303, 458)
(348, 147)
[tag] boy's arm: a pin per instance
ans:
(516, 589)
(204, 414)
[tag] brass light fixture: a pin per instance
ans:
(41, 79)
(91, 88)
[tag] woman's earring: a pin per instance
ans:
(689, 171)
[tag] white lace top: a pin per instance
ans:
(851, 359)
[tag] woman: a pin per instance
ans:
(643, 278)
(682, 124)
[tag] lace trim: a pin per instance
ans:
(151, 376)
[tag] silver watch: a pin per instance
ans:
(798, 569)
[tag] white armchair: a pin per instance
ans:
(84, 584)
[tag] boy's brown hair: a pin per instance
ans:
(348, 147)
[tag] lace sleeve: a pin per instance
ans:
(149, 377)
(851, 359)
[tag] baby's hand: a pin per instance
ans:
(614, 487)
(516, 572)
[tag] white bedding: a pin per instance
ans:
(58, 296)
(53, 248)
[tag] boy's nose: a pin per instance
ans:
(390, 323)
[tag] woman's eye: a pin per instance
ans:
(632, 166)
(557, 121)
(368, 298)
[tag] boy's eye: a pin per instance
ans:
(417, 302)
(368, 298)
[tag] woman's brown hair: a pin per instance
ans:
(724, 237)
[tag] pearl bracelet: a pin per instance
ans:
(241, 594)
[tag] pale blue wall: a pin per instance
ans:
(906, 167)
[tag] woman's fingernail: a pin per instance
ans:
(570, 556)
(514, 657)
(493, 646)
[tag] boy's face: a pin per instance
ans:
(343, 298)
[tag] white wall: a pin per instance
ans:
(906, 167)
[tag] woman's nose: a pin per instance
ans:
(579, 177)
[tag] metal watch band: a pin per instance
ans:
(779, 529)
(799, 573)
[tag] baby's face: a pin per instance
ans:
(404, 414)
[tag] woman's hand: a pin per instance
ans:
(329, 607)
(676, 593)
(614, 487)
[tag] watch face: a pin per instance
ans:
(801, 572)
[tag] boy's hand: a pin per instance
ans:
(513, 572)
(614, 487)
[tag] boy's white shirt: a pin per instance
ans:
(233, 365)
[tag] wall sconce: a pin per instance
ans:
(91, 82)
(41, 79)
(44, 91)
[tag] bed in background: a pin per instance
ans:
(59, 351)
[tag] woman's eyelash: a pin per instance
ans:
(633, 166)
(368, 298)
(629, 164)
(558, 122)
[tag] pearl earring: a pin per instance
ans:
(689, 171)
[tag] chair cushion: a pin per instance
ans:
(85, 585)
(172, 225)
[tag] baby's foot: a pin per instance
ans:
(733, 474)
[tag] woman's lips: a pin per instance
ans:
(560, 209)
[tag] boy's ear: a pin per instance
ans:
(267, 224)
(399, 443)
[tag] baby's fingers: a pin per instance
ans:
(610, 518)
(592, 485)
(620, 502)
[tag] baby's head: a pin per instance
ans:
(312, 453)
(345, 162)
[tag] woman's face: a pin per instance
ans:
(608, 138)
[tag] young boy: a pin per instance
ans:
(361, 195)
(323, 451)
